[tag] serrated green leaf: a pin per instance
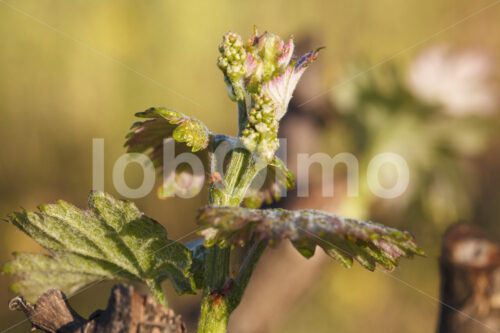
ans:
(112, 239)
(36, 273)
(342, 238)
(164, 123)
(269, 185)
(189, 135)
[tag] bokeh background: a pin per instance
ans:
(417, 78)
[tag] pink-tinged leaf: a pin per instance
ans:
(286, 55)
(250, 64)
(307, 59)
(280, 88)
(342, 238)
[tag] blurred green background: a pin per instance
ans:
(76, 70)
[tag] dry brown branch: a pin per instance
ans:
(127, 311)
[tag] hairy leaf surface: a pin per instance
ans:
(343, 239)
(164, 123)
(188, 134)
(112, 239)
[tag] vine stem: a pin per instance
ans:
(217, 306)
(157, 291)
(221, 295)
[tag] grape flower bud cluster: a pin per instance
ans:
(261, 74)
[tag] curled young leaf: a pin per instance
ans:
(343, 239)
(280, 88)
(112, 239)
(187, 134)
(164, 123)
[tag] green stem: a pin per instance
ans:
(220, 300)
(214, 315)
(217, 305)
(242, 116)
(157, 292)
(240, 283)
(239, 175)
(216, 267)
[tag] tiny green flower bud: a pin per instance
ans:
(262, 74)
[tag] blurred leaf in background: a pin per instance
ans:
(436, 114)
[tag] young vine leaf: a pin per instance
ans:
(343, 239)
(191, 135)
(112, 239)
(164, 123)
